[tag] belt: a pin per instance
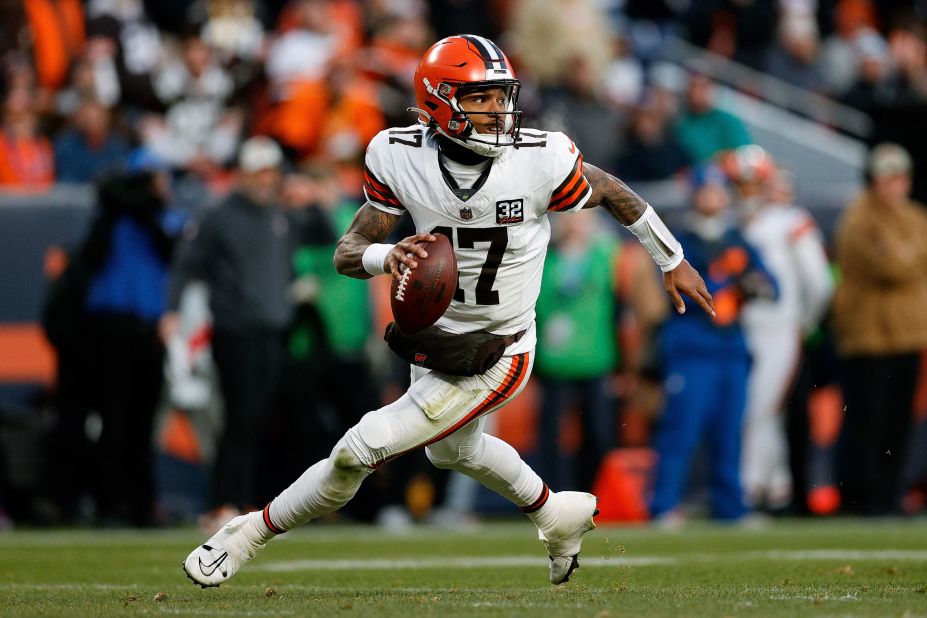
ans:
(513, 338)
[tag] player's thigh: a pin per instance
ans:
(435, 407)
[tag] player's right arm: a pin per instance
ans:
(366, 235)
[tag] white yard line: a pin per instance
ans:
(447, 562)
(481, 562)
(835, 554)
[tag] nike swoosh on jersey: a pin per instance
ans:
(212, 566)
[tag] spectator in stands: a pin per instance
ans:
(127, 253)
(871, 87)
(551, 34)
(583, 300)
(198, 132)
(909, 58)
(578, 106)
(232, 29)
(395, 48)
(90, 146)
(839, 57)
(126, 49)
(353, 117)
(651, 151)
(892, 75)
(624, 77)
(739, 29)
(703, 129)
(667, 83)
(84, 85)
(705, 360)
(881, 328)
(794, 58)
(26, 159)
(298, 64)
(242, 250)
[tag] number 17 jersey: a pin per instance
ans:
(499, 227)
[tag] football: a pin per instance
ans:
(422, 294)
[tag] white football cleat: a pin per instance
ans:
(563, 539)
(216, 560)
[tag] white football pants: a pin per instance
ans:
(764, 469)
(444, 414)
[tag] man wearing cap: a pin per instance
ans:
(242, 251)
(880, 324)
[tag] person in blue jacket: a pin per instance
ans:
(127, 255)
(705, 362)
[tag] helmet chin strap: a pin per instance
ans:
(479, 147)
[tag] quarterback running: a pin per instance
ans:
(468, 170)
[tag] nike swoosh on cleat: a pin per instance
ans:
(212, 566)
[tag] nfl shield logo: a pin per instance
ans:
(466, 214)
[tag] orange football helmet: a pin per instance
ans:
(750, 163)
(457, 64)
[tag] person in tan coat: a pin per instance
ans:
(880, 319)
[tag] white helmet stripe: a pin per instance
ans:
(493, 51)
(492, 55)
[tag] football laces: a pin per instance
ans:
(403, 282)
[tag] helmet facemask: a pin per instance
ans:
(461, 128)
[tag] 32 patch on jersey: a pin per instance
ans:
(510, 211)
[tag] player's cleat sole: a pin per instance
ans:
(218, 559)
(563, 539)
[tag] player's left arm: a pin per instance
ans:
(642, 220)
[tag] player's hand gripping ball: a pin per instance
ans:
(423, 294)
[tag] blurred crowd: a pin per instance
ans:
(85, 82)
(274, 355)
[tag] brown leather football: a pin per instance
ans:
(423, 294)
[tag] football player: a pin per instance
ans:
(792, 248)
(468, 170)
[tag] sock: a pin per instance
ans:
(321, 489)
(260, 532)
(544, 516)
(496, 465)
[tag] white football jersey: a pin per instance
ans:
(499, 233)
(790, 244)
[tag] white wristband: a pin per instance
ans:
(657, 239)
(374, 258)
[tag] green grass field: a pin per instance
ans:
(790, 568)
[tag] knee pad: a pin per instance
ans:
(369, 440)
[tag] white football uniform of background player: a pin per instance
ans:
(790, 244)
(500, 235)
